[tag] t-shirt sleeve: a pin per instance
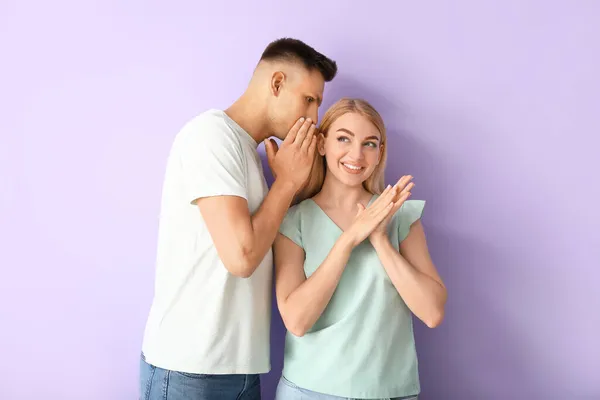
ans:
(290, 227)
(212, 161)
(410, 212)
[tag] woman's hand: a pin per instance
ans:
(403, 188)
(367, 220)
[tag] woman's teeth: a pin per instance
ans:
(352, 168)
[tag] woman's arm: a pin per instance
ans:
(413, 274)
(301, 301)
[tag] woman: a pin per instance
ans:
(346, 301)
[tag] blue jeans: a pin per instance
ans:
(286, 390)
(161, 384)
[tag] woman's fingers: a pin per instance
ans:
(390, 200)
(383, 199)
(395, 205)
(404, 183)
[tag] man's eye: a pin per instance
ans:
(310, 99)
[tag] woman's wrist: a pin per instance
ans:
(348, 240)
(378, 238)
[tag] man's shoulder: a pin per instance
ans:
(207, 122)
(209, 129)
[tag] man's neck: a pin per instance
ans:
(249, 117)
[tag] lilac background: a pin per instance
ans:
(492, 107)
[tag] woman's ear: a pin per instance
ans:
(321, 143)
(381, 148)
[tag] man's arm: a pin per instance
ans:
(242, 240)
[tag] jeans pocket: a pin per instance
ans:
(146, 376)
(288, 383)
(286, 390)
(192, 375)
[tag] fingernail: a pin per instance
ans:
(302, 119)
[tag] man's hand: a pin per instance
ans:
(293, 162)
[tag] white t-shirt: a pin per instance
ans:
(203, 319)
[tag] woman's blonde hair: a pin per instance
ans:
(375, 183)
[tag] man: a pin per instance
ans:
(207, 335)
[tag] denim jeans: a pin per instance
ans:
(286, 390)
(161, 384)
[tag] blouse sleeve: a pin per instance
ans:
(410, 212)
(290, 227)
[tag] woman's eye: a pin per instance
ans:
(371, 144)
(342, 139)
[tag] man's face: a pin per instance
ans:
(300, 95)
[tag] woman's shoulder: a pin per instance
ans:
(410, 209)
(409, 213)
(299, 209)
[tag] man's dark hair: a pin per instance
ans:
(287, 49)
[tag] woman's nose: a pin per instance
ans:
(357, 152)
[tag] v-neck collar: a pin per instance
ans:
(330, 219)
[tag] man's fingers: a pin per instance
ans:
(302, 132)
(271, 149)
(291, 136)
(312, 147)
(309, 138)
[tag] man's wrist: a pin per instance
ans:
(285, 187)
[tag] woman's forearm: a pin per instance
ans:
(423, 295)
(304, 306)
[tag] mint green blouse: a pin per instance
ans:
(362, 346)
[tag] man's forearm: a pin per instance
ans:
(267, 219)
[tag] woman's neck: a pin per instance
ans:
(335, 194)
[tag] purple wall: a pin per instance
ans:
(493, 109)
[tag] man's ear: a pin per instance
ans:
(277, 81)
(321, 144)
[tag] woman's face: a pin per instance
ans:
(352, 149)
